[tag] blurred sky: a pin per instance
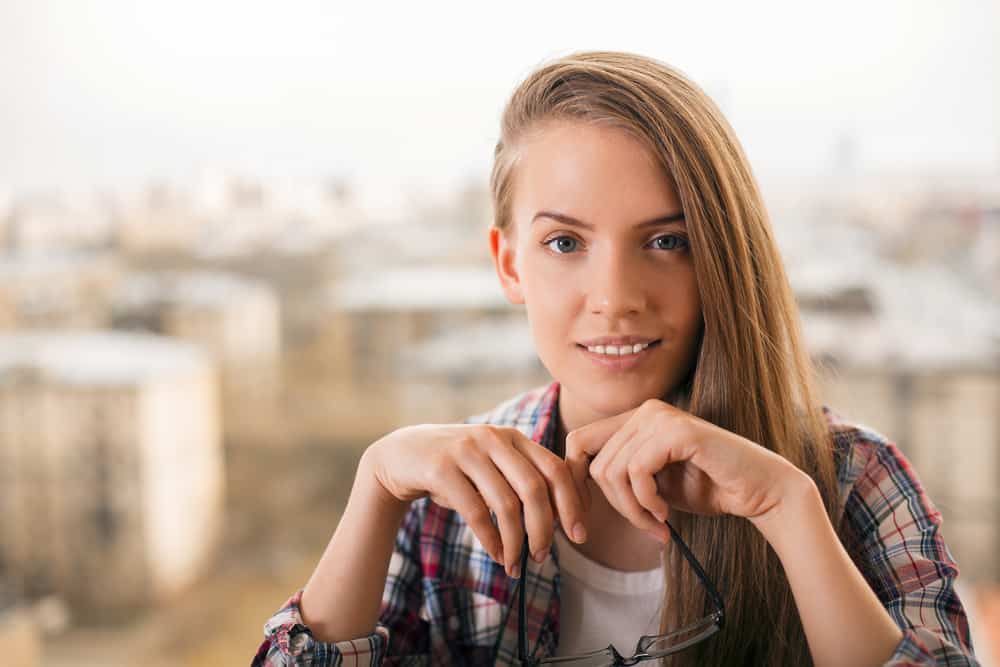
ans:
(118, 94)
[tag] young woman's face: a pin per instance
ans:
(598, 253)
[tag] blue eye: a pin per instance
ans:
(563, 244)
(672, 242)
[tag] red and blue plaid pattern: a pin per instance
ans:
(447, 603)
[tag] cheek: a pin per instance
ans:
(549, 291)
(550, 316)
(685, 301)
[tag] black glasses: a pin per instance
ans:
(649, 647)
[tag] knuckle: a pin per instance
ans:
(438, 467)
(555, 468)
(560, 474)
(619, 475)
(509, 505)
(684, 430)
(484, 433)
(477, 515)
(549, 464)
(465, 441)
(536, 490)
(651, 405)
(507, 432)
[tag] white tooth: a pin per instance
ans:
(624, 349)
(638, 347)
(599, 349)
(611, 349)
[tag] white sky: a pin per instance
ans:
(121, 93)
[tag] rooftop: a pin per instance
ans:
(98, 358)
(419, 288)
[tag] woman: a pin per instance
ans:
(628, 223)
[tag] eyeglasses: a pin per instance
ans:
(649, 647)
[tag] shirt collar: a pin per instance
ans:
(547, 410)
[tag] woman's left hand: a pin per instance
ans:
(656, 455)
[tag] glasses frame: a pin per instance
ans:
(712, 623)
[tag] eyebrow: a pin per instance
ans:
(569, 220)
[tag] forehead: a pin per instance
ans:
(591, 172)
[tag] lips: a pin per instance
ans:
(617, 340)
(620, 349)
(619, 358)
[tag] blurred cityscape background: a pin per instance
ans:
(240, 243)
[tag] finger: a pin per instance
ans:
(585, 444)
(533, 492)
(641, 456)
(502, 499)
(579, 468)
(562, 486)
(617, 478)
(642, 483)
(644, 488)
(590, 439)
(685, 484)
(471, 506)
(602, 465)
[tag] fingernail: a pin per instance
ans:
(579, 533)
(515, 571)
(539, 556)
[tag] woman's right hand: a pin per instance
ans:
(475, 468)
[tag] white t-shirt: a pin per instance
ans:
(600, 606)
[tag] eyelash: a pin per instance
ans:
(680, 237)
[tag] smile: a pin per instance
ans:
(620, 350)
(619, 357)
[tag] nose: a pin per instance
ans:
(614, 285)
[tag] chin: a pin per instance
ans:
(612, 401)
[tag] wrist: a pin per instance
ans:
(799, 501)
(370, 490)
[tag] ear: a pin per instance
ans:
(503, 253)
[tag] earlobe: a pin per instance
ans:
(502, 250)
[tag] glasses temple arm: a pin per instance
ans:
(709, 586)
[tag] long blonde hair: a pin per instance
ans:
(753, 375)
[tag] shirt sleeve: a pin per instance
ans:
(289, 641)
(892, 530)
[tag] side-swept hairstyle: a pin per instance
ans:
(753, 375)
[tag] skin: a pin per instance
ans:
(641, 453)
(629, 455)
(616, 278)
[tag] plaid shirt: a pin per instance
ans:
(446, 602)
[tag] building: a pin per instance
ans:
(467, 370)
(160, 221)
(57, 289)
(914, 352)
(111, 469)
(346, 379)
(236, 320)
(51, 223)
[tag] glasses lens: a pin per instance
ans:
(677, 640)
